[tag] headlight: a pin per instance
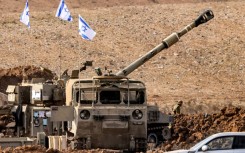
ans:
(137, 114)
(84, 114)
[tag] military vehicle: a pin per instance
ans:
(111, 111)
(105, 111)
(31, 102)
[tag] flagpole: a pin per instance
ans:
(24, 18)
(60, 61)
(79, 75)
(29, 35)
(59, 48)
(64, 14)
(87, 33)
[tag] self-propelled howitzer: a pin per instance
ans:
(112, 111)
(166, 43)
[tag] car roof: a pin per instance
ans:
(229, 134)
(214, 136)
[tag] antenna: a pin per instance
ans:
(60, 64)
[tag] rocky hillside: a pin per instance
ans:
(205, 69)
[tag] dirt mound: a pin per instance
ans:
(189, 129)
(13, 76)
(28, 148)
(41, 149)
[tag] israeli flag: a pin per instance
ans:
(24, 18)
(63, 12)
(84, 30)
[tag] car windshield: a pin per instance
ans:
(199, 144)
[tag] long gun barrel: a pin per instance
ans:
(166, 43)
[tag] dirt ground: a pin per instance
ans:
(205, 69)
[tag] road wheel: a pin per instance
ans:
(166, 133)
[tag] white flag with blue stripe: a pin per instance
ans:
(84, 30)
(24, 18)
(63, 12)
